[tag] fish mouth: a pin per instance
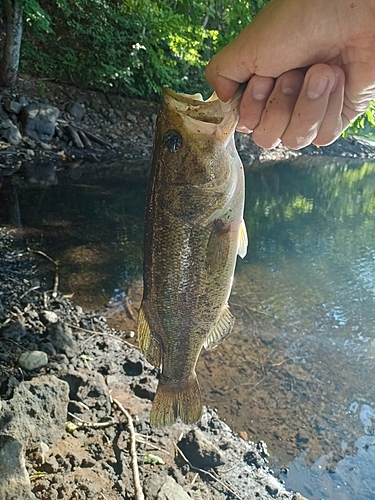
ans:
(194, 106)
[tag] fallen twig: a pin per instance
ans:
(93, 425)
(56, 282)
(86, 141)
(75, 137)
(29, 290)
(94, 334)
(95, 138)
(212, 476)
(147, 443)
(138, 492)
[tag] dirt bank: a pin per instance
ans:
(65, 378)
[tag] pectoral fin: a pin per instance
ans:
(242, 240)
(149, 345)
(221, 330)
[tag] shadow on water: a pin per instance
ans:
(299, 369)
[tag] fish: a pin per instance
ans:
(194, 230)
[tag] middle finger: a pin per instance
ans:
(279, 109)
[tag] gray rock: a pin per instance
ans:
(24, 101)
(131, 118)
(39, 121)
(89, 388)
(200, 451)
(13, 107)
(163, 487)
(172, 491)
(9, 131)
(3, 113)
(32, 360)
(62, 338)
(37, 412)
(14, 479)
(76, 110)
(15, 331)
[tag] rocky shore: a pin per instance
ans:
(49, 124)
(75, 403)
(75, 397)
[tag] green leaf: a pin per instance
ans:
(153, 459)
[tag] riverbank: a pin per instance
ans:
(65, 378)
(59, 364)
(50, 123)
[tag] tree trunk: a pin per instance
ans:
(13, 10)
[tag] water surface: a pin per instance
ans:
(299, 369)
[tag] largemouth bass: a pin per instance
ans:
(193, 233)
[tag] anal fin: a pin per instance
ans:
(221, 330)
(149, 345)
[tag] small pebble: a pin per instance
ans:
(32, 360)
(244, 435)
(50, 316)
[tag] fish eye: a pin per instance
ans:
(172, 141)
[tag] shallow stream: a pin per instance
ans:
(299, 369)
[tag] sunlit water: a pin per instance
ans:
(299, 369)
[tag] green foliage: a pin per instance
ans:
(36, 17)
(132, 46)
(364, 124)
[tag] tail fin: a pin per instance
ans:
(170, 403)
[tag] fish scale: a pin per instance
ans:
(194, 230)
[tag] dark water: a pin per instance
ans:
(299, 369)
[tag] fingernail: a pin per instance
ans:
(288, 90)
(261, 90)
(316, 86)
(243, 129)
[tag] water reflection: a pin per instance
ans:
(298, 369)
(307, 290)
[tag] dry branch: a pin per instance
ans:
(86, 141)
(133, 451)
(75, 137)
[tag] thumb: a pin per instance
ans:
(224, 87)
(276, 41)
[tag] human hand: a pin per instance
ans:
(309, 66)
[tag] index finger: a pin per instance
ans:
(224, 87)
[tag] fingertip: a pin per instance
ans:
(224, 87)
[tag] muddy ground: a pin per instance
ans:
(75, 396)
